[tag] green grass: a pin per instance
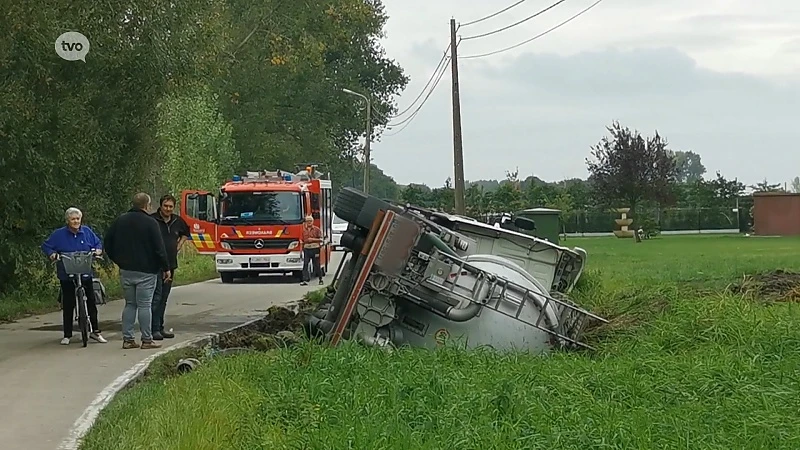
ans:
(316, 297)
(42, 298)
(683, 364)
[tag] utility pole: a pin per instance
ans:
(367, 160)
(368, 139)
(458, 148)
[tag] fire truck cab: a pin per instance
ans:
(254, 225)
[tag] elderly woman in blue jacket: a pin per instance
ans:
(74, 237)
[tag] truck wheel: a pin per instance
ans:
(226, 277)
(349, 204)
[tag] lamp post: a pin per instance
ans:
(367, 161)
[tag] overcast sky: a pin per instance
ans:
(718, 77)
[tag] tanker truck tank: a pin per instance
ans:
(411, 279)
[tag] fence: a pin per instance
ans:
(719, 219)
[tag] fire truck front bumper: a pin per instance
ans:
(227, 262)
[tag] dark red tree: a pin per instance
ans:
(626, 169)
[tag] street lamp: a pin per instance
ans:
(367, 161)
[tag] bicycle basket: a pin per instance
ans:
(78, 263)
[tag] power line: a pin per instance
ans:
(436, 72)
(515, 24)
(537, 36)
(405, 122)
(408, 119)
(433, 75)
(493, 15)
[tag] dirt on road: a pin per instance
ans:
(268, 332)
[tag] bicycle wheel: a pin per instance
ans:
(83, 314)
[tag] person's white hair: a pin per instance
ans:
(72, 212)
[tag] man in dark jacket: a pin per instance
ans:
(175, 233)
(133, 242)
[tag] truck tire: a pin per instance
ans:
(349, 204)
(226, 277)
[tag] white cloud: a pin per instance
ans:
(542, 105)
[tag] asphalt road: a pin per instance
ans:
(44, 386)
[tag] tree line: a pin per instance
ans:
(626, 170)
(175, 95)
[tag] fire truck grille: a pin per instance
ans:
(266, 244)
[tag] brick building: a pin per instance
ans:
(776, 214)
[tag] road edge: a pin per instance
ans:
(84, 423)
(38, 315)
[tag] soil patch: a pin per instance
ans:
(777, 286)
(271, 331)
(280, 327)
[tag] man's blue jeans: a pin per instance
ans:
(138, 288)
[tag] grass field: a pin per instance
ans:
(688, 361)
(193, 267)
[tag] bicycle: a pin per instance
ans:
(77, 264)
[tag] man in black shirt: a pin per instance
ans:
(175, 232)
(134, 243)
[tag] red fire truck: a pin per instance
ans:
(255, 224)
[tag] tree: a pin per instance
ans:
(628, 168)
(796, 185)
(538, 193)
(508, 197)
(725, 189)
(174, 94)
(416, 194)
(765, 186)
(578, 191)
(689, 167)
(352, 175)
(700, 194)
(444, 198)
(476, 200)
(715, 193)
(100, 115)
(565, 204)
(197, 146)
(288, 63)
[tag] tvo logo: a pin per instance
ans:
(72, 46)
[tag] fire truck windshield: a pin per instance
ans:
(262, 208)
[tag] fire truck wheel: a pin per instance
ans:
(349, 204)
(226, 277)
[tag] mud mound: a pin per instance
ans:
(778, 285)
(639, 312)
(272, 331)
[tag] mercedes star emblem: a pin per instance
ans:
(259, 243)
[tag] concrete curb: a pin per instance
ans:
(85, 422)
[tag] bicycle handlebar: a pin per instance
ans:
(92, 252)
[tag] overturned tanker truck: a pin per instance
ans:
(417, 277)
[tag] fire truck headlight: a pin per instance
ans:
(294, 245)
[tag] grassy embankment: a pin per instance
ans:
(41, 299)
(687, 361)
